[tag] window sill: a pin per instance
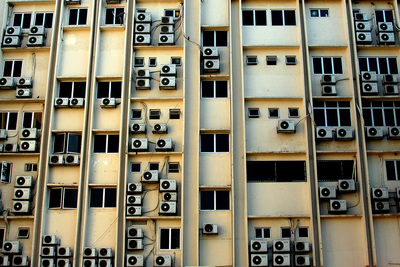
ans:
(76, 28)
(113, 27)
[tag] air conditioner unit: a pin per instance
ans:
(133, 211)
(392, 89)
(160, 128)
(139, 144)
(71, 160)
(164, 144)
(23, 93)
(37, 30)
(169, 196)
(210, 52)
(162, 260)
(22, 194)
(281, 245)
(363, 26)
(302, 246)
(167, 20)
(29, 133)
(369, 88)
(73, 2)
(11, 247)
(167, 83)
(48, 251)
(168, 185)
(385, 27)
(143, 17)
(389, 79)
(56, 159)
(143, 84)
(105, 262)
(61, 102)
(329, 90)
(89, 262)
(363, 38)
(28, 146)
(50, 240)
(386, 38)
(168, 70)
(150, 176)
(64, 252)
(11, 41)
(258, 260)
(302, 260)
(258, 246)
(344, 133)
(24, 182)
(63, 262)
(373, 132)
(324, 133)
(210, 229)
(133, 200)
(286, 126)
(143, 73)
(24, 82)
(328, 79)
(77, 102)
(3, 134)
(211, 65)
(21, 207)
(138, 128)
(135, 244)
(134, 260)
(5, 260)
(135, 232)
(327, 192)
(35, 40)
(381, 207)
(105, 253)
(19, 260)
(167, 208)
(281, 260)
(108, 102)
(5, 173)
(10, 148)
(167, 29)
(368, 76)
(394, 132)
(337, 206)
(13, 30)
(360, 16)
(134, 188)
(347, 186)
(89, 252)
(380, 193)
(142, 39)
(47, 262)
(7, 83)
(142, 28)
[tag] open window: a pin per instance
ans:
(67, 143)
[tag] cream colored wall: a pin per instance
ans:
(387, 241)
(215, 13)
(74, 53)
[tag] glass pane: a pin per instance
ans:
(116, 89)
(289, 171)
(388, 16)
(12, 120)
(222, 142)
(290, 18)
(110, 198)
(74, 143)
(208, 38)
(73, 17)
(260, 171)
(113, 142)
(378, 117)
(119, 13)
(65, 89)
(247, 16)
(390, 171)
(348, 171)
(324, 13)
(70, 198)
(314, 13)
(332, 117)
(221, 89)
(207, 142)
(367, 117)
(55, 198)
(26, 23)
(207, 89)
(285, 232)
(261, 17)
(17, 68)
(259, 233)
(39, 18)
(27, 120)
(362, 62)
(48, 21)
(37, 120)
(135, 167)
(99, 143)
(389, 117)
(221, 38)
(8, 65)
(393, 69)
(175, 238)
(277, 17)
(103, 89)
(59, 143)
(337, 64)
(222, 200)
(329, 170)
(383, 67)
(79, 89)
(319, 117)
(96, 198)
(207, 200)
(317, 65)
(82, 16)
(267, 232)
(327, 65)
(345, 117)
(164, 239)
(379, 16)
(373, 65)
(109, 15)
(17, 20)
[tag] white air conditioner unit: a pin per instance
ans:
(11, 247)
(3, 134)
(143, 17)
(281, 245)
(329, 90)
(21, 207)
(302, 260)
(324, 133)
(105, 253)
(381, 207)
(24, 82)
(64, 252)
(138, 128)
(328, 79)
(211, 65)
(105, 262)
(389, 79)
(210, 229)
(380, 193)
(47, 262)
(391, 89)
(386, 38)
(281, 260)
(385, 27)
(162, 260)
(5, 260)
(363, 38)
(139, 144)
(19, 260)
(169, 196)
(167, 20)
(302, 246)
(108, 102)
(286, 126)
(394, 132)
(167, 29)
(37, 30)
(337, 206)
(258, 246)
(89, 262)
(71, 160)
(24, 181)
(77, 102)
(143, 84)
(167, 208)
(28, 146)
(134, 260)
(135, 232)
(168, 70)
(167, 83)
(258, 260)
(135, 244)
(13, 30)
(7, 83)
(160, 128)
(142, 39)
(10, 148)
(133, 211)
(49, 251)
(22, 194)
(11, 41)
(89, 252)
(50, 240)
(29, 133)
(5, 173)
(327, 192)
(164, 144)
(35, 40)
(368, 76)
(133, 200)
(56, 159)
(363, 26)
(142, 28)
(360, 16)
(23, 93)
(61, 102)
(143, 73)
(64, 262)
(344, 133)
(373, 132)
(370, 88)
(72, 2)
(210, 52)
(150, 176)
(347, 186)
(134, 188)
(168, 185)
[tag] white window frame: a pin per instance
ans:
(8, 119)
(215, 200)
(371, 110)
(21, 236)
(44, 18)
(254, 116)
(262, 232)
(286, 227)
(12, 68)
(322, 65)
(62, 207)
(155, 62)
(274, 117)
(215, 38)
(337, 108)
(291, 116)
(170, 239)
(72, 87)
(254, 17)
(110, 87)
(215, 143)
(115, 16)
(384, 14)
(77, 16)
(396, 171)
(66, 142)
(33, 117)
(283, 17)
(319, 12)
(22, 20)
(378, 64)
(103, 201)
(215, 90)
(175, 11)
(106, 147)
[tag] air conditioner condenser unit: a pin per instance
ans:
(258, 260)
(23, 93)
(374, 132)
(167, 82)
(164, 144)
(139, 144)
(35, 40)
(337, 206)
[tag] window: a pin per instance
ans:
(271, 60)
(381, 113)
(173, 167)
(327, 65)
(214, 200)
(283, 17)
(6, 172)
(215, 38)
(319, 13)
(214, 142)
(254, 112)
(135, 167)
(273, 113)
(382, 65)
(63, 198)
(154, 114)
(251, 60)
(136, 114)
(214, 89)
(23, 233)
(263, 232)
(32, 120)
(290, 60)
(153, 62)
(169, 238)
(12, 68)
(67, 143)
(44, 19)
(334, 170)
(154, 166)
(139, 62)
(384, 15)
(109, 89)
(2, 232)
(103, 197)
(302, 232)
(175, 13)
(8, 120)
(72, 89)
(285, 232)
(176, 60)
(22, 20)
(106, 143)
(30, 167)
(276, 171)
(174, 114)
(254, 17)
(77, 16)
(114, 16)
(332, 113)
(293, 113)
(393, 170)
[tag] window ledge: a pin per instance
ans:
(113, 27)
(76, 28)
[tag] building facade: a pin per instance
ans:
(199, 133)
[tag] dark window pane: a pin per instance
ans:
(285, 232)
(303, 232)
(221, 38)
(207, 89)
(17, 68)
(222, 143)
(207, 143)
(389, 117)
(259, 233)
(367, 117)
(221, 89)
(378, 117)
(12, 120)
(397, 117)
(324, 13)
(379, 16)
(82, 16)
(259, 171)
(331, 117)
(135, 167)
(113, 142)
(79, 89)
(207, 200)
(383, 67)
(247, 16)
(388, 16)
(208, 38)
(319, 117)
(222, 200)
(329, 170)
(65, 89)
(96, 198)
(74, 143)
(373, 65)
(164, 239)
(348, 169)
(38, 120)
(119, 16)
(103, 89)
(154, 166)
(1, 237)
(317, 65)
(109, 16)
(327, 65)
(110, 198)
(70, 198)
(261, 17)
(27, 120)
(116, 89)
(39, 18)
(390, 171)
(73, 17)
(290, 18)
(362, 62)
(8, 68)
(337, 64)
(55, 198)
(26, 24)
(59, 140)
(136, 114)
(289, 171)
(17, 19)
(48, 22)
(267, 232)
(277, 17)
(393, 69)
(175, 237)
(100, 143)
(345, 117)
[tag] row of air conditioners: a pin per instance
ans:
(55, 251)
(13, 36)
(12, 83)
(163, 39)
(167, 78)
(37, 36)
(16, 260)
(140, 128)
(64, 159)
(328, 85)
(65, 102)
(366, 26)
(261, 260)
(29, 146)
(344, 133)
(143, 28)
(369, 83)
(280, 246)
(382, 193)
(344, 186)
(167, 33)
(49, 262)
(383, 38)
(142, 144)
(134, 239)
(211, 62)
(90, 252)
(378, 132)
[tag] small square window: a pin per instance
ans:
(254, 113)
(174, 114)
(135, 167)
(154, 166)
(30, 167)
(271, 60)
(251, 60)
(290, 60)
(139, 61)
(173, 167)
(153, 62)
(155, 114)
(285, 232)
(263, 233)
(23, 233)
(136, 114)
(176, 60)
(273, 112)
(303, 232)
(294, 113)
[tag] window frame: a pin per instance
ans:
(271, 116)
(319, 12)
(262, 229)
(114, 16)
(106, 145)
(177, 61)
(215, 38)
(175, 169)
(293, 109)
(66, 141)
(384, 15)
(332, 59)
(137, 118)
(176, 13)
(62, 198)
(103, 201)
(343, 175)
(7, 122)
(215, 89)
(45, 15)
(277, 172)
(215, 142)
(23, 236)
(110, 89)
(156, 115)
(378, 61)
(34, 119)
(174, 114)
(22, 20)
(152, 64)
(13, 74)
(285, 228)
(136, 62)
(78, 14)
(170, 238)
(303, 227)
(370, 112)
(135, 163)
(3, 230)
(337, 108)
(253, 116)
(254, 17)
(30, 167)
(73, 88)
(215, 199)
(396, 170)
(283, 17)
